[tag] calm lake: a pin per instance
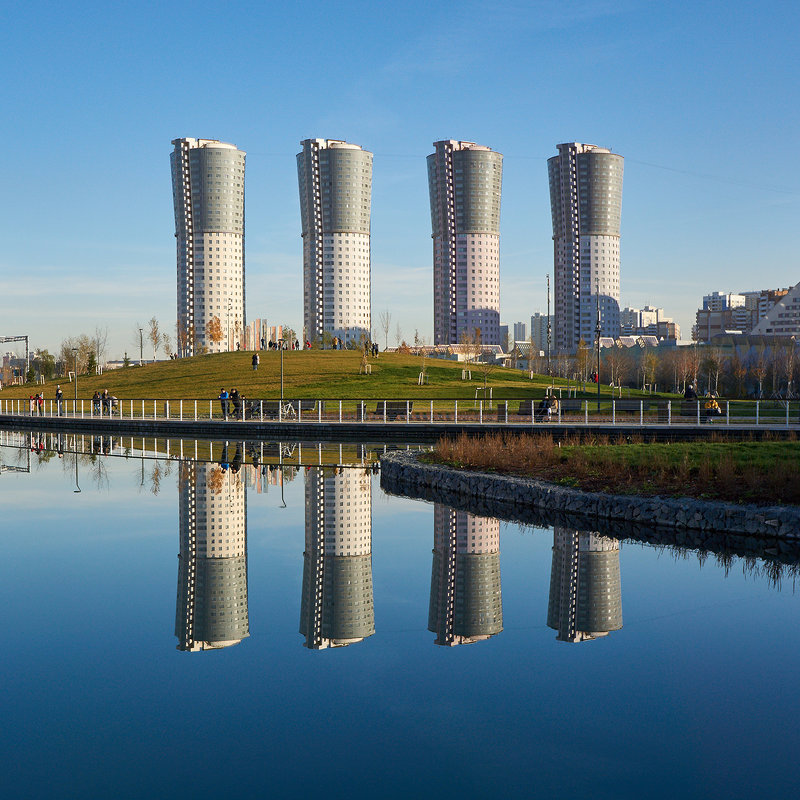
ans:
(218, 627)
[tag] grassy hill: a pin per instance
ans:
(309, 374)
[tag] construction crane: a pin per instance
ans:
(18, 339)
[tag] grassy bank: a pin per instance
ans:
(307, 374)
(750, 472)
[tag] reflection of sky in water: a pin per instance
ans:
(694, 696)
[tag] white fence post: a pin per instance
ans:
(340, 411)
(641, 412)
(456, 412)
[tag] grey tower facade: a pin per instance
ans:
(586, 205)
(211, 608)
(336, 607)
(335, 180)
(208, 196)
(585, 591)
(466, 605)
(465, 183)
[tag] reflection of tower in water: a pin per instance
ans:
(336, 607)
(466, 605)
(585, 593)
(211, 610)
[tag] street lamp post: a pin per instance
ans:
(597, 330)
(548, 326)
(75, 367)
(141, 345)
(280, 345)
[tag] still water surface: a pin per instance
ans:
(193, 628)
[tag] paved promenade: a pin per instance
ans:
(416, 431)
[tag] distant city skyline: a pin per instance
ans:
(88, 233)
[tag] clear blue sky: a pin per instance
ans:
(701, 99)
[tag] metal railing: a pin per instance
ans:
(512, 412)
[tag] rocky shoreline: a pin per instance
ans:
(665, 520)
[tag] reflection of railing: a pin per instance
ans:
(507, 411)
(256, 452)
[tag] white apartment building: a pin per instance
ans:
(586, 204)
(335, 181)
(465, 183)
(783, 318)
(208, 196)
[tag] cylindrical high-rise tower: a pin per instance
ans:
(208, 194)
(465, 182)
(335, 180)
(586, 205)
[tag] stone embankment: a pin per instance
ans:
(665, 520)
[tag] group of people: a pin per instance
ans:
(548, 407)
(290, 345)
(711, 407)
(102, 401)
(36, 403)
(231, 403)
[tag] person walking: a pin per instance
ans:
(40, 403)
(236, 402)
(255, 361)
(59, 400)
(106, 398)
(223, 402)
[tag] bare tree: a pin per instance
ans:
(385, 322)
(470, 342)
(166, 344)
(760, 368)
(100, 341)
(398, 334)
(154, 335)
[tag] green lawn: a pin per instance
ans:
(763, 471)
(309, 374)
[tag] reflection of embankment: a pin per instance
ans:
(337, 606)
(781, 555)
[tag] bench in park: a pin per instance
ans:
(394, 408)
(631, 406)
